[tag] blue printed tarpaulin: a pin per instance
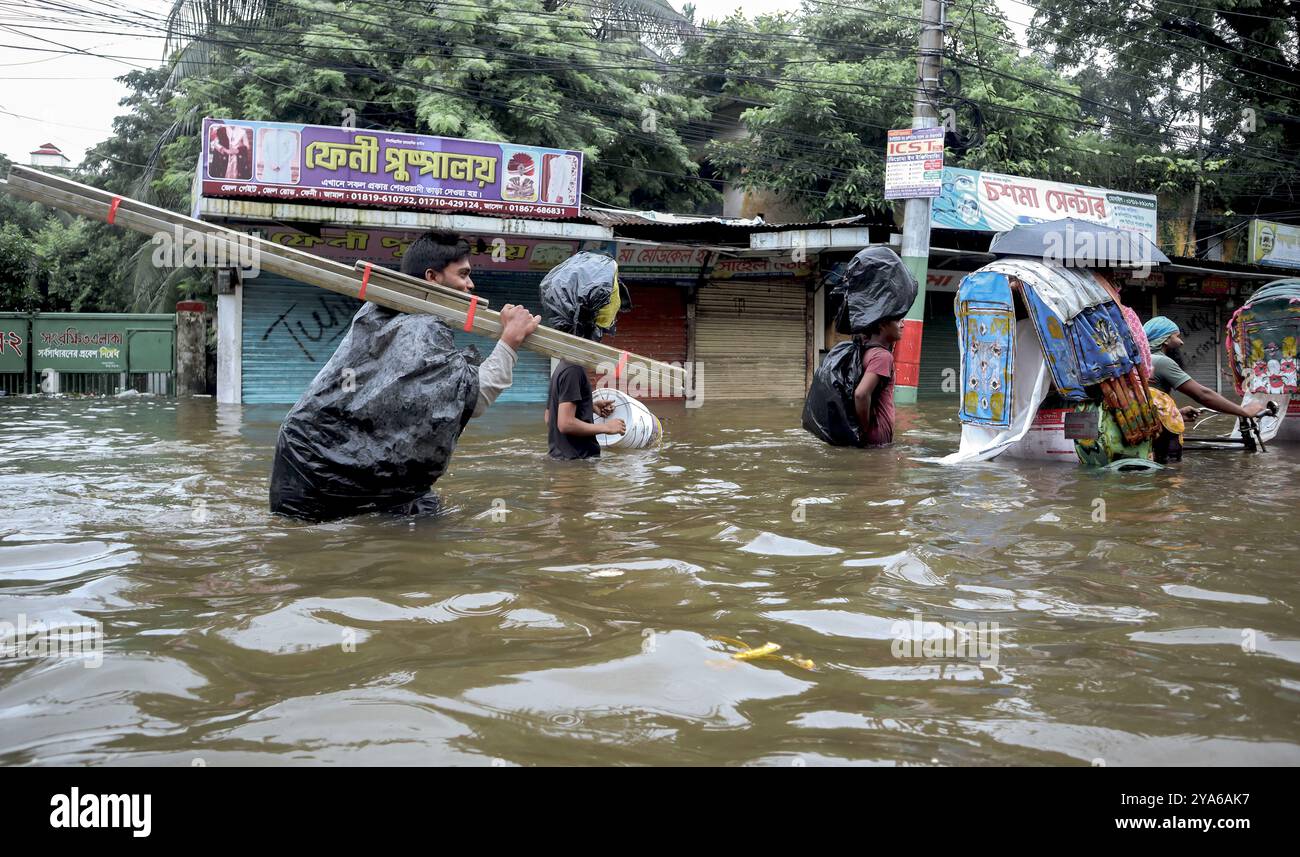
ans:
(985, 320)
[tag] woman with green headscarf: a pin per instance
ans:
(1167, 375)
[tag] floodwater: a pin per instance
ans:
(565, 613)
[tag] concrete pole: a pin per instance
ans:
(230, 362)
(191, 348)
(916, 214)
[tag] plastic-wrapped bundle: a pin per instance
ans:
(581, 295)
(876, 286)
(828, 410)
(380, 421)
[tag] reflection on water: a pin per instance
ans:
(567, 613)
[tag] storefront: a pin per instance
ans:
(353, 195)
(660, 282)
(1200, 302)
(940, 356)
(700, 290)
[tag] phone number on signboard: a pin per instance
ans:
(443, 202)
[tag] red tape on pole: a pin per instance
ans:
(112, 209)
(469, 316)
(365, 281)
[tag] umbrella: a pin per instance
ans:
(1078, 244)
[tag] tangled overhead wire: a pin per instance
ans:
(963, 119)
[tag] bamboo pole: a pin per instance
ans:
(386, 289)
(26, 178)
(406, 283)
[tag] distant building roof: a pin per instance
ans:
(48, 149)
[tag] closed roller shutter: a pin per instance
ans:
(1203, 340)
(532, 370)
(940, 356)
(1202, 335)
(654, 328)
(290, 331)
(750, 339)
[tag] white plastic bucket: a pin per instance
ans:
(643, 427)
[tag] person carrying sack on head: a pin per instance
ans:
(851, 399)
(582, 296)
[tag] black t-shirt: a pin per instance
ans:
(569, 383)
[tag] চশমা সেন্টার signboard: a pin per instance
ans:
(992, 202)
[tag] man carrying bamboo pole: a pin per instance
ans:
(378, 425)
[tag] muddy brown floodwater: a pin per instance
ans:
(565, 613)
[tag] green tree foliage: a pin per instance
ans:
(1140, 64)
(796, 103)
(816, 90)
(489, 69)
(52, 261)
(524, 71)
(18, 221)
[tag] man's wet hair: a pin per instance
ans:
(435, 249)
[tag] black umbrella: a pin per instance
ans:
(1078, 244)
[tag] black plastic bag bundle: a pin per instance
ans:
(876, 285)
(379, 423)
(828, 411)
(574, 291)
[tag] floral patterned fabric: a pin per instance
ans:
(1102, 343)
(985, 320)
(1167, 409)
(1262, 341)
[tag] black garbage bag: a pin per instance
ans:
(576, 291)
(828, 411)
(876, 285)
(379, 423)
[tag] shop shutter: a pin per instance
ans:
(655, 327)
(291, 330)
(940, 355)
(750, 340)
(532, 370)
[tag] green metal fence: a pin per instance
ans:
(96, 354)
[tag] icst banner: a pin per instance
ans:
(993, 202)
(353, 166)
(914, 163)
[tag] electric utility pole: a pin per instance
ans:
(916, 214)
